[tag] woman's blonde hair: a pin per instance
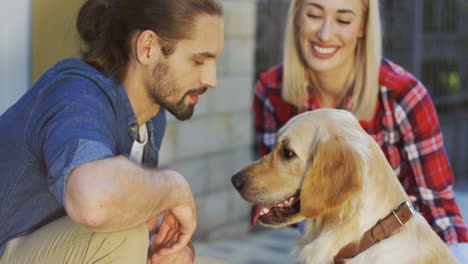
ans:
(364, 86)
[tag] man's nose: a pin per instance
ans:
(208, 77)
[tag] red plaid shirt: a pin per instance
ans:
(406, 127)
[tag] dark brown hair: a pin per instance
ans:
(106, 27)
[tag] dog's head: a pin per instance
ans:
(317, 164)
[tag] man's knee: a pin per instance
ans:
(65, 240)
(130, 246)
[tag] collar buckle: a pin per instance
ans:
(403, 203)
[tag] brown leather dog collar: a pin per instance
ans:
(380, 231)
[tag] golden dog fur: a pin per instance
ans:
(346, 185)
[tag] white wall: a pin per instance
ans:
(15, 50)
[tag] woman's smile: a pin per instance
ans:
(323, 51)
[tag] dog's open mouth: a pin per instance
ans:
(277, 213)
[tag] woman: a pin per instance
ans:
(332, 59)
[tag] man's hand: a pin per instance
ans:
(175, 231)
(163, 239)
(177, 226)
(183, 256)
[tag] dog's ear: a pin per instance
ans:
(333, 176)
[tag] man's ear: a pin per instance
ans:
(334, 175)
(147, 47)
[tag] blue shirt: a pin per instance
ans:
(72, 115)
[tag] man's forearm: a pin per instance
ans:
(116, 194)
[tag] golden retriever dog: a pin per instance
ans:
(326, 169)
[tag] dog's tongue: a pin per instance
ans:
(255, 213)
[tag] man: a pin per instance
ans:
(72, 189)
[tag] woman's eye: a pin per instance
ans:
(287, 153)
(344, 22)
(198, 62)
(313, 16)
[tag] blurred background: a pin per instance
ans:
(427, 37)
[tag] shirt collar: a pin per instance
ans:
(155, 125)
(132, 120)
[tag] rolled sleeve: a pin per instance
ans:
(74, 122)
(72, 155)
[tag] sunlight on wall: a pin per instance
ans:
(54, 34)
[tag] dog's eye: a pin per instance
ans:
(287, 153)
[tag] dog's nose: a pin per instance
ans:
(238, 180)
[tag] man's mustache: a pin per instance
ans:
(199, 91)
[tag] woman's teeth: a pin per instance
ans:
(324, 50)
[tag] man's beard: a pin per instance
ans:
(163, 86)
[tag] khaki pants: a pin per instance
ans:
(63, 241)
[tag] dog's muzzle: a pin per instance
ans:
(238, 180)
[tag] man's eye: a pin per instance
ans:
(287, 153)
(198, 62)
